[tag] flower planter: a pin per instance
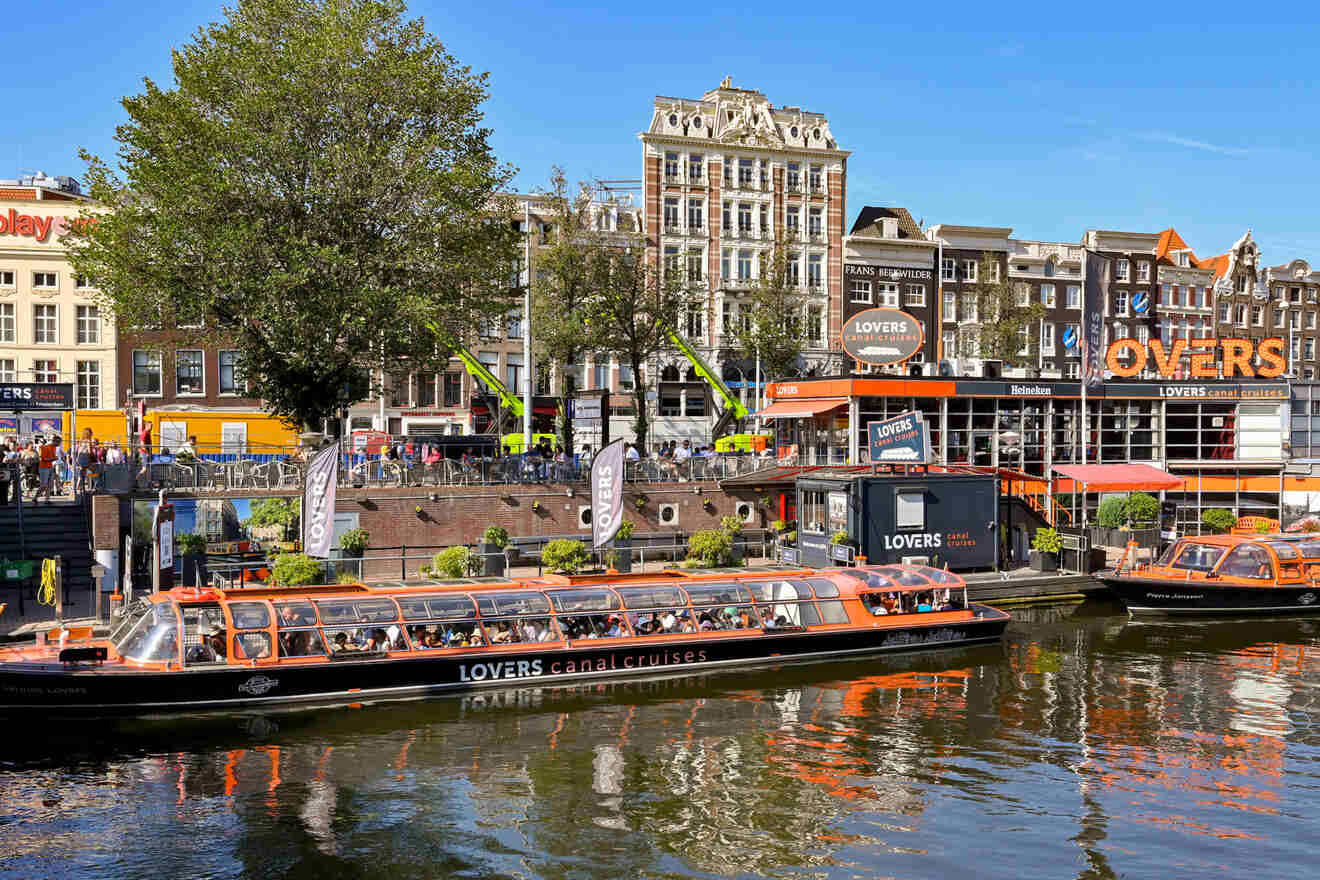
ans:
(1043, 561)
(624, 562)
(492, 560)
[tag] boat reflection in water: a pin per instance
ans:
(1084, 744)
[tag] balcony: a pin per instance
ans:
(817, 189)
(815, 235)
(673, 177)
(673, 229)
(793, 186)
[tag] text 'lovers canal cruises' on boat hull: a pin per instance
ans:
(1225, 574)
(190, 649)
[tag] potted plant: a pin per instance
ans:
(1045, 547)
(491, 549)
(1110, 518)
(639, 502)
(733, 526)
(295, 570)
(1218, 520)
(564, 556)
(454, 562)
(623, 544)
(352, 544)
(840, 539)
(710, 548)
(192, 548)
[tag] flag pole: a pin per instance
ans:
(1086, 360)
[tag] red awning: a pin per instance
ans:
(797, 409)
(1119, 477)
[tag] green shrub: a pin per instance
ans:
(1047, 541)
(190, 543)
(791, 536)
(496, 535)
(564, 556)
(1263, 528)
(347, 577)
(1217, 519)
(354, 542)
(841, 537)
(455, 562)
(732, 524)
(779, 525)
(295, 569)
(625, 529)
(712, 547)
(1112, 513)
(1142, 508)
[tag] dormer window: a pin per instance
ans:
(1183, 260)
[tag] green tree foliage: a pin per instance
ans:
(282, 512)
(455, 562)
(1142, 508)
(190, 543)
(771, 323)
(295, 569)
(564, 555)
(315, 185)
(1217, 519)
(1112, 513)
(497, 535)
(1047, 541)
(711, 547)
(354, 542)
(1005, 328)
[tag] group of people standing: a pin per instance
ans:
(44, 467)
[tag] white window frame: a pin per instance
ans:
(38, 285)
(1143, 271)
(886, 294)
(914, 295)
(1074, 295)
(7, 277)
(1047, 337)
(160, 372)
(201, 361)
(950, 306)
(1121, 303)
(240, 388)
(93, 323)
(8, 370)
(1048, 296)
(36, 336)
(1121, 270)
(53, 370)
(9, 324)
(87, 401)
(1257, 316)
(859, 291)
(948, 269)
(969, 271)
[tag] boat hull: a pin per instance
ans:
(116, 690)
(1154, 596)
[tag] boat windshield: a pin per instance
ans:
(155, 636)
(1197, 557)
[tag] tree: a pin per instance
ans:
(1002, 327)
(316, 185)
(282, 512)
(771, 322)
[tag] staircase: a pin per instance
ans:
(60, 528)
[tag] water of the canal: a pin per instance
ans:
(1083, 746)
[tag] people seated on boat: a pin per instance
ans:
(874, 603)
(503, 634)
(780, 621)
(890, 604)
(923, 602)
(531, 631)
(217, 642)
(475, 639)
(731, 618)
(767, 618)
(705, 622)
(668, 622)
(685, 623)
(342, 645)
(396, 639)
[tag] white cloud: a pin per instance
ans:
(1164, 137)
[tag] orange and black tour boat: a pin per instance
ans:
(189, 649)
(1224, 574)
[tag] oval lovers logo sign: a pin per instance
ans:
(882, 336)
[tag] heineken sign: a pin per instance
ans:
(882, 336)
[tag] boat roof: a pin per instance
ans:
(898, 578)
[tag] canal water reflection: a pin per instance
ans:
(1083, 746)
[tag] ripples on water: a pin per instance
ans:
(1084, 746)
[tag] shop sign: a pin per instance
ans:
(23, 396)
(882, 336)
(1236, 358)
(904, 439)
(896, 273)
(31, 226)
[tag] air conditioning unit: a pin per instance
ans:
(916, 560)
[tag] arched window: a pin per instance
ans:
(692, 375)
(669, 374)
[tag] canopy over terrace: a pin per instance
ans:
(1117, 478)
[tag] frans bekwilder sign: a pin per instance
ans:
(903, 439)
(881, 337)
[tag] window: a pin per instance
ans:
(231, 381)
(1242, 283)
(89, 325)
(146, 372)
(1022, 294)
(726, 256)
(745, 217)
(1295, 295)
(1047, 337)
(513, 371)
(859, 291)
(887, 295)
(426, 389)
(744, 172)
(1183, 260)
(453, 390)
(1240, 315)
(763, 220)
(793, 222)
(695, 260)
(81, 282)
(947, 272)
(89, 384)
(188, 372)
(969, 270)
(6, 277)
(815, 264)
(671, 166)
(625, 378)
(794, 175)
(696, 166)
(1074, 295)
(1047, 296)
(45, 324)
(1143, 271)
(950, 340)
(45, 371)
(814, 177)
(696, 215)
(1257, 316)
(726, 213)
(7, 326)
(794, 266)
(950, 306)
(744, 265)
(671, 214)
(1121, 304)
(1223, 313)
(45, 280)
(969, 308)
(1121, 270)
(1310, 320)
(513, 324)
(671, 264)
(694, 402)
(1072, 370)
(1280, 318)
(696, 321)
(815, 325)
(910, 509)
(1308, 348)
(814, 223)
(914, 295)
(7, 370)
(994, 272)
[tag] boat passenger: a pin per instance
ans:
(668, 622)
(890, 604)
(685, 623)
(475, 640)
(615, 630)
(767, 619)
(705, 623)
(341, 643)
(503, 635)
(217, 643)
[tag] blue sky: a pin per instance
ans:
(1049, 118)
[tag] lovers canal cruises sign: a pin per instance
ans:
(27, 396)
(1235, 358)
(881, 337)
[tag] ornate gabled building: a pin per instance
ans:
(1294, 289)
(888, 261)
(726, 177)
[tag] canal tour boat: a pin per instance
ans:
(1224, 574)
(190, 649)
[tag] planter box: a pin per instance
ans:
(1044, 561)
(492, 560)
(624, 563)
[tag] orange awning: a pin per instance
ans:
(797, 409)
(1119, 477)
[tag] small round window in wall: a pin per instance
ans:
(668, 514)
(793, 131)
(696, 122)
(584, 517)
(816, 134)
(745, 511)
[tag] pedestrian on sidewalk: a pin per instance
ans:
(81, 461)
(46, 469)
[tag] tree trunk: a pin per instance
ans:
(641, 424)
(566, 430)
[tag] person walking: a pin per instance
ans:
(46, 469)
(81, 461)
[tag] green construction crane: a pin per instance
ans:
(512, 404)
(733, 407)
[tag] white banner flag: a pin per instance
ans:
(318, 506)
(606, 493)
